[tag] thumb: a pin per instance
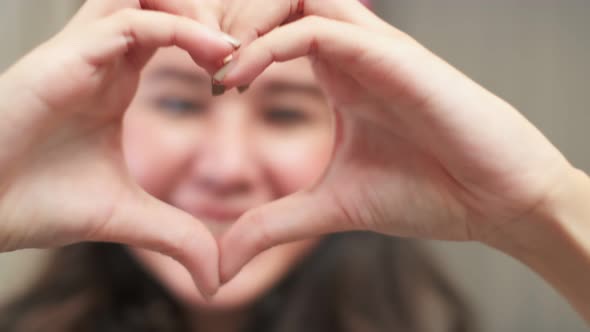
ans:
(144, 221)
(296, 217)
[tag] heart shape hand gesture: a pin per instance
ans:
(420, 150)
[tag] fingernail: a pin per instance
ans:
(228, 59)
(217, 89)
(243, 88)
(221, 73)
(233, 41)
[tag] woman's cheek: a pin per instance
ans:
(296, 162)
(154, 154)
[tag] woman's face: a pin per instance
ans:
(217, 157)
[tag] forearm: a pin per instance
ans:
(555, 242)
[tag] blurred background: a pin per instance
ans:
(533, 53)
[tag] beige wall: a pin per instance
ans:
(25, 23)
(532, 52)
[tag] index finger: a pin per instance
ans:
(206, 12)
(250, 19)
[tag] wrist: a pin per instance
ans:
(563, 216)
(554, 239)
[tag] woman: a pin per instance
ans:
(417, 152)
(217, 158)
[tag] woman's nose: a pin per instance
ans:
(226, 163)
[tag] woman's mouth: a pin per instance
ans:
(217, 213)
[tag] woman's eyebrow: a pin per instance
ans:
(175, 74)
(279, 87)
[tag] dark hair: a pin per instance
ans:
(351, 282)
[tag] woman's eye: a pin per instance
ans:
(179, 105)
(284, 116)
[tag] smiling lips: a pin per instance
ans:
(216, 213)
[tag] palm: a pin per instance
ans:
(75, 187)
(371, 162)
(75, 177)
(388, 175)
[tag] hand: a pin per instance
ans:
(62, 174)
(420, 150)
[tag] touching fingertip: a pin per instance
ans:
(209, 294)
(220, 75)
(234, 42)
(208, 289)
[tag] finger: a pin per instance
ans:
(248, 20)
(311, 35)
(132, 30)
(300, 216)
(95, 9)
(205, 12)
(141, 220)
(350, 11)
(209, 14)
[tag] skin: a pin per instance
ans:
(420, 150)
(219, 157)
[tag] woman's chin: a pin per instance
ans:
(257, 277)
